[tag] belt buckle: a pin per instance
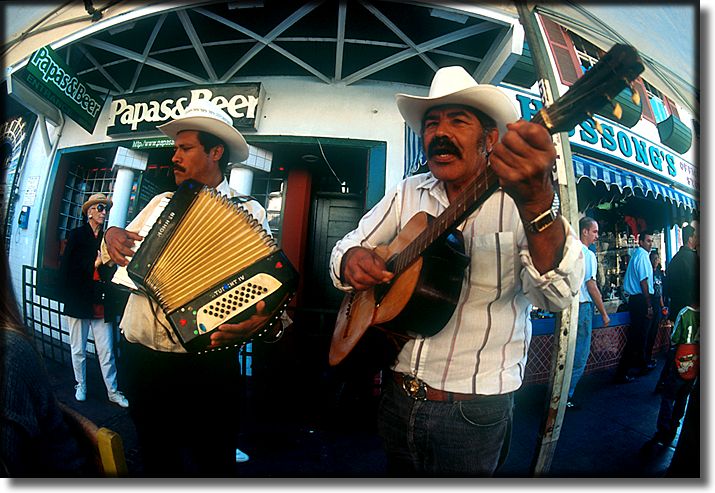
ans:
(414, 387)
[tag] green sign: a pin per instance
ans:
(48, 76)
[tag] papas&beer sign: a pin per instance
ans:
(143, 112)
(49, 77)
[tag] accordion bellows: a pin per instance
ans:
(207, 261)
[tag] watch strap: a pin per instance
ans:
(542, 221)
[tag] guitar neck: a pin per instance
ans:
(615, 71)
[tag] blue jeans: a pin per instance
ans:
(583, 344)
(456, 439)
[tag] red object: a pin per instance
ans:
(279, 265)
(687, 360)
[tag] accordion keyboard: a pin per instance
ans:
(235, 300)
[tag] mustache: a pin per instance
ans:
(442, 145)
(175, 167)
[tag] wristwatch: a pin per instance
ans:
(545, 219)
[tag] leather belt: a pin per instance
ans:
(418, 390)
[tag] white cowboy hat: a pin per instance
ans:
(454, 86)
(97, 198)
(206, 116)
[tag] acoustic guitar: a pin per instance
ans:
(428, 257)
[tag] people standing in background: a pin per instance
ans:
(588, 296)
(638, 286)
(681, 375)
(683, 273)
(658, 306)
(84, 300)
(682, 280)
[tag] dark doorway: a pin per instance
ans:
(333, 216)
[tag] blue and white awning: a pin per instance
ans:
(598, 171)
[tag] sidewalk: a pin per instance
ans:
(601, 439)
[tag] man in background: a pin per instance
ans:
(588, 296)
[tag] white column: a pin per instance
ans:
(120, 197)
(241, 179)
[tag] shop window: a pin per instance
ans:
(657, 102)
(269, 190)
(82, 181)
(567, 63)
(587, 53)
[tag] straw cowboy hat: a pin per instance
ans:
(205, 116)
(97, 198)
(454, 86)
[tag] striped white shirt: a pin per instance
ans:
(483, 348)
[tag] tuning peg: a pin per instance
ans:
(617, 111)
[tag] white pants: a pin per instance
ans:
(104, 344)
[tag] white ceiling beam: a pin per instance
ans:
(101, 69)
(132, 55)
(196, 43)
(340, 42)
(501, 56)
(392, 27)
(147, 50)
(267, 41)
(422, 47)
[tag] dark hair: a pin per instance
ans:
(644, 232)
(209, 141)
(585, 223)
(688, 231)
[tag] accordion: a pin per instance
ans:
(206, 261)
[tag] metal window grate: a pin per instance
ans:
(82, 182)
(43, 316)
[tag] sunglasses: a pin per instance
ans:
(102, 208)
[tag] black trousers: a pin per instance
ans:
(634, 352)
(185, 408)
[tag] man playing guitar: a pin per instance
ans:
(447, 406)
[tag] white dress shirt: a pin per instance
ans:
(483, 348)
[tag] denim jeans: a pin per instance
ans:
(583, 344)
(456, 439)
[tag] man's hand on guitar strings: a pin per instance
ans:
(523, 160)
(119, 244)
(227, 334)
(363, 269)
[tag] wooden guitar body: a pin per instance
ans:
(420, 300)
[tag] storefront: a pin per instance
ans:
(317, 107)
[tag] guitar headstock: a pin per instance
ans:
(615, 71)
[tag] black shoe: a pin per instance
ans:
(623, 379)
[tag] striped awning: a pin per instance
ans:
(598, 171)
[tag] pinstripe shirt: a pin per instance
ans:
(483, 348)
